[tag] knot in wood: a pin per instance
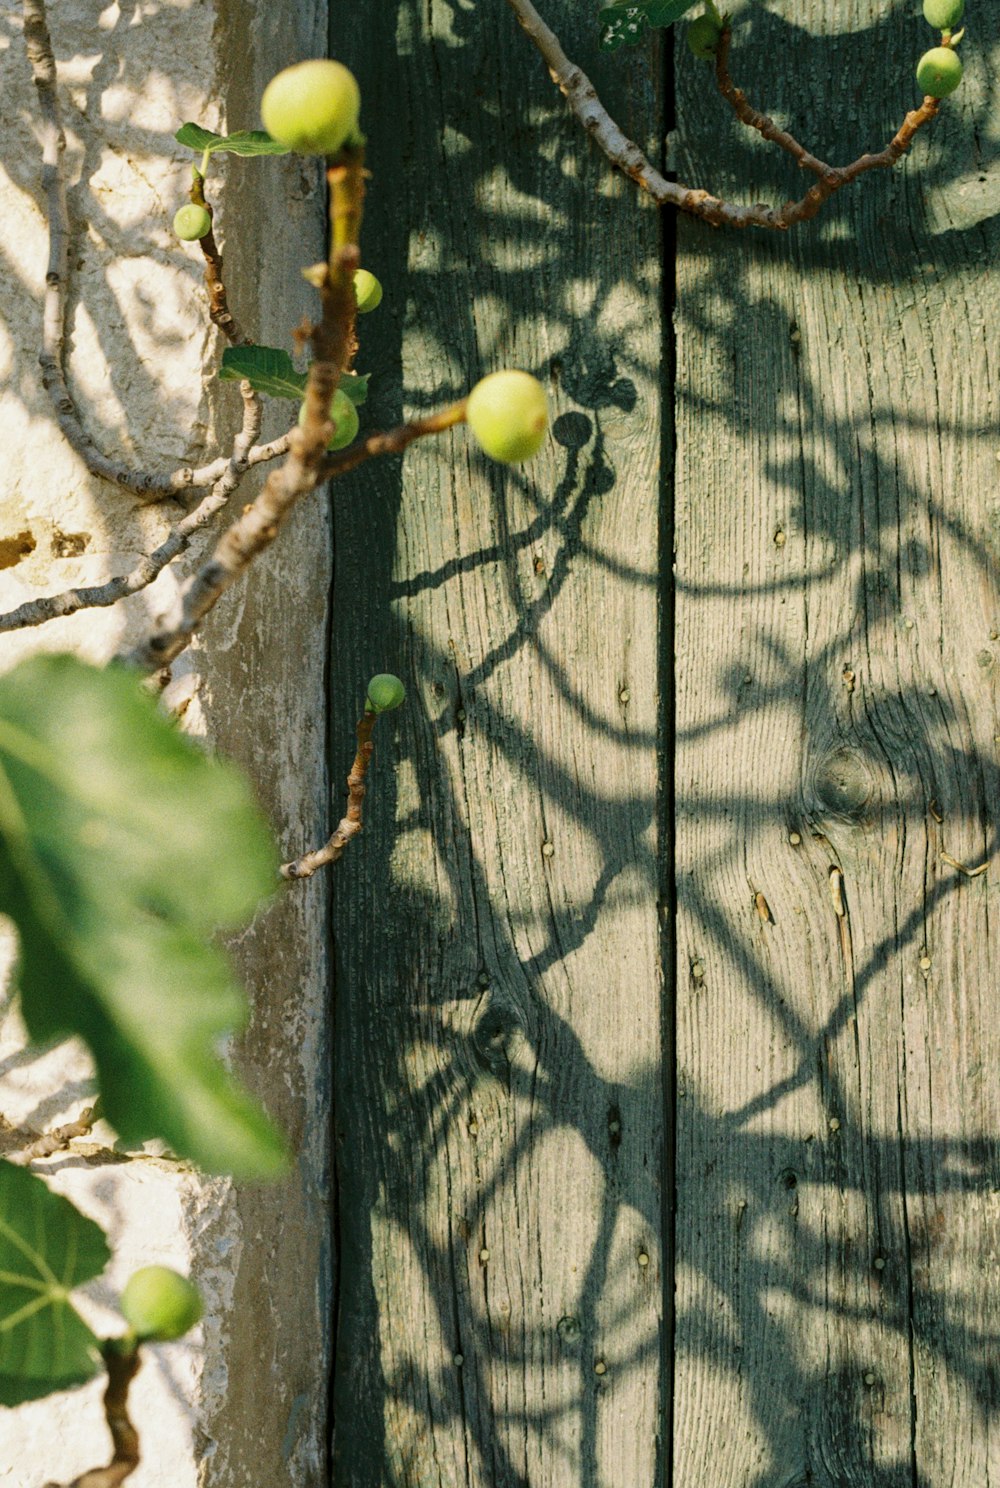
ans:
(496, 1034)
(842, 784)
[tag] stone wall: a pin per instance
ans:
(243, 1402)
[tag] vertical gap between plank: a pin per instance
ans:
(667, 734)
(333, 747)
(332, 1166)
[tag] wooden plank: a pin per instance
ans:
(499, 1121)
(837, 622)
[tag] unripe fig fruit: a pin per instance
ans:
(159, 1304)
(939, 72)
(703, 36)
(508, 414)
(384, 693)
(192, 222)
(368, 291)
(312, 107)
(943, 15)
(343, 416)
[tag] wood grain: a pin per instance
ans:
(837, 622)
(500, 1109)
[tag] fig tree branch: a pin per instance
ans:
(262, 520)
(350, 823)
(70, 601)
(392, 441)
(122, 1369)
(151, 565)
(57, 1140)
(148, 485)
(219, 312)
(831, 178)
(625, 154)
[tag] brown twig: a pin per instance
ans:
(749, 116)
(300, 473)
(392, 441)
(219, 312)
(122, 1368)
(625, 154)
(56, 1140)
(830, 178)
(350, 824)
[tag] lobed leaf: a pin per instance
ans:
(244, 142)
(269, 370)
(625, 23)
(123, 846)
(47, 1247)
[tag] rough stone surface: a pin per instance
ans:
(244, 1399)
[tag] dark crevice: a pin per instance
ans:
(332, 1164)
(908, 1273)
(665, 786)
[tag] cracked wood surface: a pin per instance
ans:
(499, 1104)
(837, 650)
(505, 1071)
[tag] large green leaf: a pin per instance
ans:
(243, 142)
(123, 846)
(47, 1247)
(270, 371)
(625, 23)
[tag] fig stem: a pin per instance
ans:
(122, 1367)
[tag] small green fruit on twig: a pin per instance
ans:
(343, 417)
(159, 1304)
(385, 692)
(312, 107)
(939, 72)
(703, 35)
(508, 414)
(191, 222)
(943, 15)
(367, 290)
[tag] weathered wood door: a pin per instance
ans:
(667, 1030)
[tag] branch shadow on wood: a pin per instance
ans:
(449, 996)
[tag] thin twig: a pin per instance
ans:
(392, 441)
(581, 95)
(831, 177)
(219, 312)
(261, 522)
(750, 116)
(122, 1368)
(56, 1140)
(350, 824)
(53, 606)
(148, 485)
(177, 541)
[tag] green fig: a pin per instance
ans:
(943, 15)
(939, 72)
(191, 222)
(703, 37)
(508, 414)
(160, 1304)
(344, 418)
(368, 291)
(313, 107)
(385, 692)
